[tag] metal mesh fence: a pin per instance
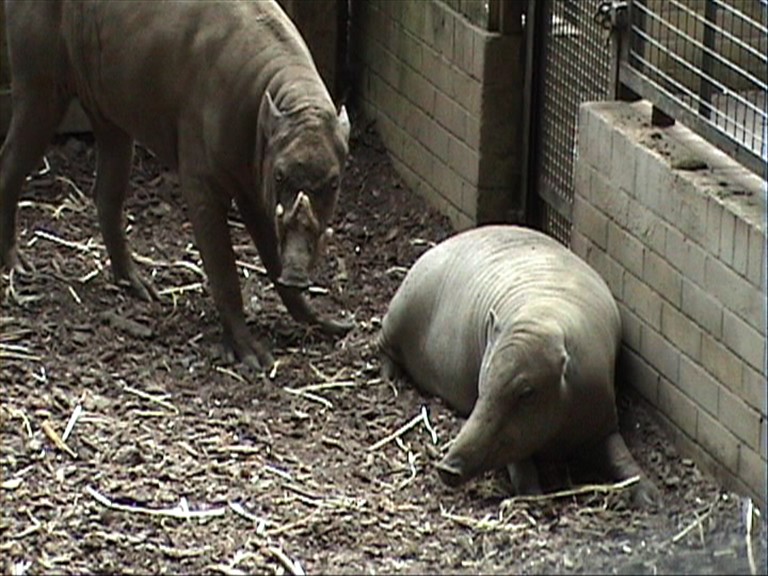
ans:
(704, 63)
(577, 68)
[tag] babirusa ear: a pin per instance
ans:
(492, 327)
(274, 116)
(344, 124)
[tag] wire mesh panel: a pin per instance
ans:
(576, 68)
(704, 62)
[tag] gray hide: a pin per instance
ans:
(226, 93)
(520, 335)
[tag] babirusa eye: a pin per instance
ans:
(526, 393)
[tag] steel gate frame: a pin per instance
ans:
(548, 177)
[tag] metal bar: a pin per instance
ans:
(741, 15)
(725, 33)
(537, 33)
(649, 90)
(693, 69)
(759, 112)
(752, 79)
(705, 86)
(694, 97)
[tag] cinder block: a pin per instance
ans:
(647, 226)
(580, 244)
(450, 115)
(636, 372)
(388, 100)
(688, 207)
(660, 353)
(686, 256)
(662, 278)
(736, 293)
(582, 183)
(698, 385)
(702, 308)
(442, 22)
(418, 158)
(432, 12)
(409, 50)
(464, 160)
(588, 149)
(642, 181)
(391, 134)
(714, 217)
(474, 132)
(727, 236)
(610, 270)
(756, 258)
(436, 139)
(419, 91)
(656, 183)
(470, 198)
(642, 300)
(764, 438)
(755, 390)
(741, 246)
(413, 17)
(381, 61)
(678, 328)
(467, 91)
(416, 123)
(739, 418)
(752, 469)
(432, 64)
(624, 247)
(463, 55)
(631, 328)
(718, 441)
(744, 340)
(593, 223)
(623, 161)
(722, 363)
(610, 199)
(448, 183)
(678, 407)
(603, 132)
(479, 47)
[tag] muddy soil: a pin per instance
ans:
(179, 462)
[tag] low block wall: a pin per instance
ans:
(678, 230)
(447, 99)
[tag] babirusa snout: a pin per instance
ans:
(301, 240)
(475, 449)
(450, 472)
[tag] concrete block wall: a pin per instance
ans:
(447, 99)
(678, 230)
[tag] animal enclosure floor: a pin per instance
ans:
(178, 462)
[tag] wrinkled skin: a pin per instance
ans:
(519, 335)
(521, 386)
(226, 93)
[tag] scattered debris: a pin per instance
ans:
(320, 467)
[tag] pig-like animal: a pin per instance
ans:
(516, 332)
(224, 92)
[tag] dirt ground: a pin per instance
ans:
(180, 463)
